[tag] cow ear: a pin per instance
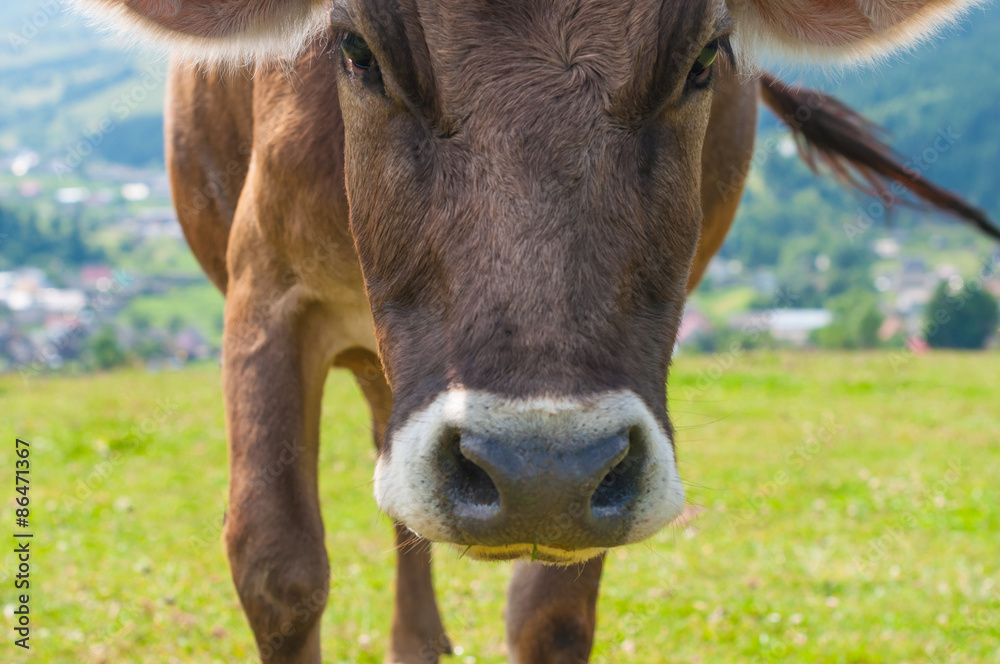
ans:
(844, 31)
(233, 31)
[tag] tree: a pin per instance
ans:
(966, 319)
(856, 321)
(105, 349)
(26, 239)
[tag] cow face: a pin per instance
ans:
(523, 180)
(524, 190)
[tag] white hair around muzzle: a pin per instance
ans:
(408, 482)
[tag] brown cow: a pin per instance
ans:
(491, 212)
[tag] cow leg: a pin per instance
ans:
(273, 373)
(552, 612)
(417, 635)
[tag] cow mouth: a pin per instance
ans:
(531, 552)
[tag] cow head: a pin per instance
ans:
(524, 183)
(524, 188)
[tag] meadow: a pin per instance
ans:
(847, 512)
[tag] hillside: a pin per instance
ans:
(946, 87)
(62, 82)
(948, 83)
(82, 181)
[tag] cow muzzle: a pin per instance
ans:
(553, 479)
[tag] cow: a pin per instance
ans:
(491, 212)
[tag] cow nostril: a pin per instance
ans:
(468, 484)
(475, 485)
(620, 486)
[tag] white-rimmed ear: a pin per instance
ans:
(218, 31)
(838, 31)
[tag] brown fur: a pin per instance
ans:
(724, 166)
(212, 139)
(525, 225)
(552, 612)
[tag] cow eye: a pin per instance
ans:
(701, 71)
(357, 51)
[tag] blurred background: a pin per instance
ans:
(841, 504)
(94, 272)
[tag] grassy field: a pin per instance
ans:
(849, 514)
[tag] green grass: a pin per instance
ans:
(850, 516)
